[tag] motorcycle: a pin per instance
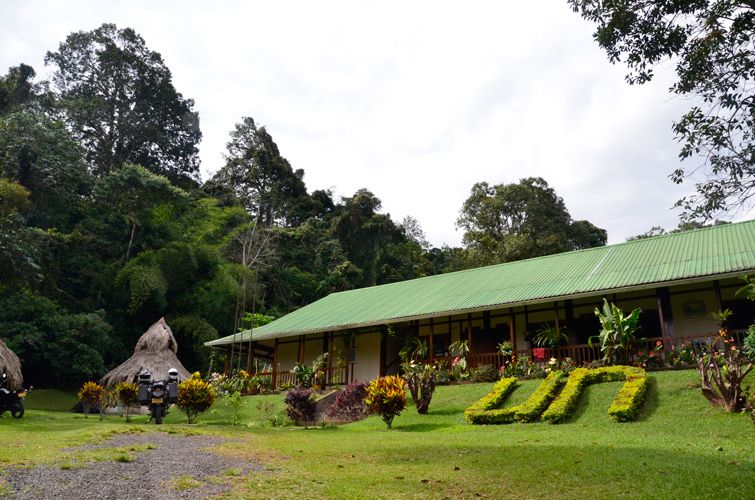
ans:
(12, 401)
(158, 395)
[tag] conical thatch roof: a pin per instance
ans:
(12, 366)
(155, 351)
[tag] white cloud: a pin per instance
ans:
(414, 100)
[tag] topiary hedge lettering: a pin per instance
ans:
(625, 406)
(486, 410)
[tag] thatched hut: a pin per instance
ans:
(10, 363)
(155, 351)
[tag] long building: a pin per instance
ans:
(676, 279)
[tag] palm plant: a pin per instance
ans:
(550, 336)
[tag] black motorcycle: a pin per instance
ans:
(12, 401)
(158, 394)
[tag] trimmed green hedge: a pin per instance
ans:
(486, 411)
(481, 411)
(625, 406)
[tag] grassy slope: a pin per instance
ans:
(681, 447)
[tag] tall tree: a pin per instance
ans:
(516, 221)
(117, 96)
(257, 174)
(17, 88)
(133, 192)
(711, 42)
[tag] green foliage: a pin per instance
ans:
(625, 406)
(301, 406)
(485, 373)
(58, 348)
(550, 336)
(195, 396)
(145, 121)
(510, 222)
(386, 397)
(749, 342)
(617, 334)
(710, 44)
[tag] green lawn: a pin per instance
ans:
(681, 447)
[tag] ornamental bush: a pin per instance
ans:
(195, 396)
(92, 395)
(349, 405)
(386, 397)
(128, 397)
(300, 406)
(486, 373)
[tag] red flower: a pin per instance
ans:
(658, 343)
(456, 361)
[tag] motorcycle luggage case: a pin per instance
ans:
(143, 394)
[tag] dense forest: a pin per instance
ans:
(106, 226)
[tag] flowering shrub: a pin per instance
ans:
(128, 397)
(349, 405)
(386, 397)
(300, 406)
(522, 367)
(195, 396)
(92, 395)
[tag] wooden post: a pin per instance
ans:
(383, 350)
(331, 341)
(432, 346)
(469, 338)
(717, 291)
(227, 365)
(555, 311)
(250, 357)
(665, 315)
(526, 324)
(512, 328)
(274, 379)
(301, 348)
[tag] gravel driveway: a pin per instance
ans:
(201, 473)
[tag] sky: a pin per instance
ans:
(415, 101)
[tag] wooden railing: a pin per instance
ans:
(337, 375)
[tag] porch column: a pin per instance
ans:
(329, 376)
(383, 350)
(665, 314)
(512, 328)
(569, 311)
(717, 291)
(250, 357)
(274, 378)
(432, 347)
(469, 338)
(227, 364)
(301, 348)
(555, 312)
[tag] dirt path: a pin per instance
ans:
(174, 466)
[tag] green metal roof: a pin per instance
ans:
(693, 255)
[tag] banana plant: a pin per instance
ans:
(617, 334)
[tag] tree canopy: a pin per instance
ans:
(509, 222)
(117, 96)
(711, 44)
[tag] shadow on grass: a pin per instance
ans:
(425, 427)
(651, 400)
(446, 411)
